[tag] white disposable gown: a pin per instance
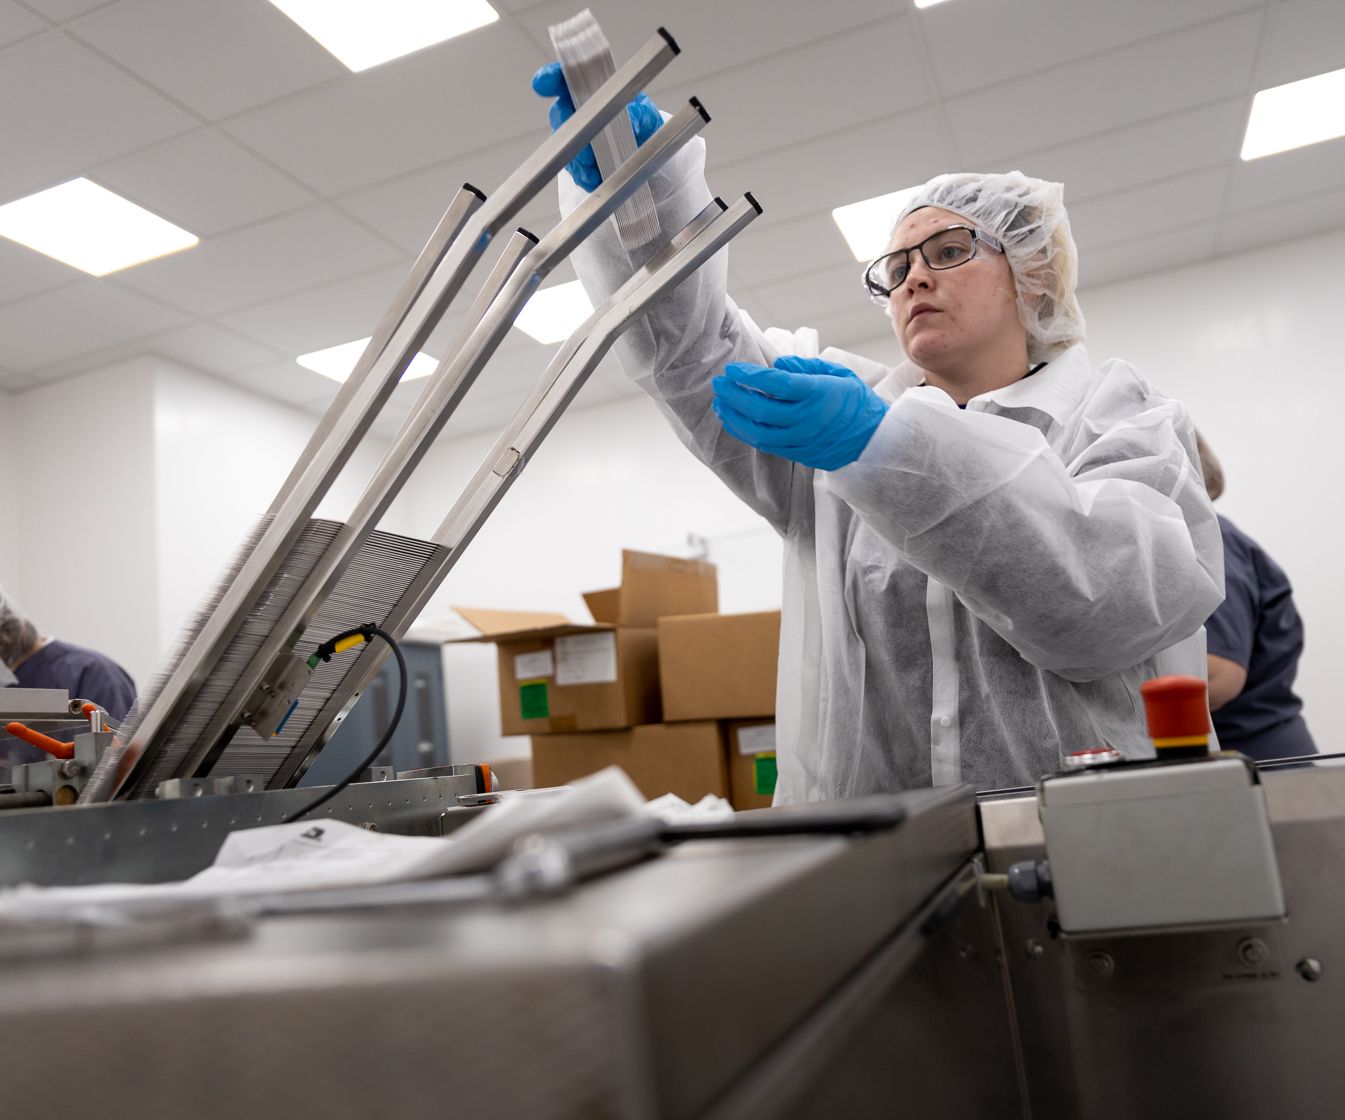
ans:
(983, 590)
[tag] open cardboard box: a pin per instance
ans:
(559, 676)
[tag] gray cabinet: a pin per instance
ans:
(422, 736)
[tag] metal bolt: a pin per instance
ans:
(71, 768)
(1310, 968)
(1100, 966)
(1034, 949)
(1253, 952)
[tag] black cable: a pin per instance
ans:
(324, 653)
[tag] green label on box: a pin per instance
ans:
(764, 774)
(532, 700)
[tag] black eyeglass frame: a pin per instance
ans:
(880, 295)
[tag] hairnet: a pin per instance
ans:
(17, 634)
(1029, 219)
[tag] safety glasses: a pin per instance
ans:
(946, 249)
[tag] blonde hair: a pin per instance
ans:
(1211, 468)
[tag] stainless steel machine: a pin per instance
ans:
(853, 960)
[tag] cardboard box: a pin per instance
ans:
(558, 676)
(687, 759)
(718, 666)
(570, 677)
(653, 586)
(752, 771)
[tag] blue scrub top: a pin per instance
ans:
(85, 674)
(1258, 627)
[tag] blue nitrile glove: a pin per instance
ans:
(645, 120)
(813, 412)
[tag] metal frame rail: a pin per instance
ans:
(178, 706)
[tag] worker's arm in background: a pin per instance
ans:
(690, 334)
(1227, 680)
(1230, 632)
(1086, 569)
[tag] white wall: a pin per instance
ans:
(1252, 344)
(221, 454)
(9, 497)
(136, 484)
(87, 562)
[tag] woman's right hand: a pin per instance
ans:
(645, 120)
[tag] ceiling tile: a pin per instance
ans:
(179, 180)
(324, 316)
(263, 261)
(409, 113)
(210, 349)
(76, 320)
(1141, 153)
(217, 59)
(847, 165)
(802, 299)
(17, 23)
(1111, 91)
(1183, 201)
(863, 330)
(481, 413)
(1144, 256)
(15, 381)
(977, 44)
(62, 10)
(68, 109)
(751, 301)
(1302, 217)
(288, 382)
(713, 36)
(766, 252)
(407, 208)
(787, 98)
(1260, 182)
(1303, 38)
(25, 272)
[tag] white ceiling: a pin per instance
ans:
(312, 188)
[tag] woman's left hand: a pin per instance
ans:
(811, 411)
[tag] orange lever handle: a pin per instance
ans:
(42, 742)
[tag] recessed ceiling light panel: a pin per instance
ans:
(90, 228)
(364, 33)
(1295, 115)
(336, 362)
(551, 314)
(867, 225)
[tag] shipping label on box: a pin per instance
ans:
(534, 666)
(757, 739)
(586, 659)
(752, 764)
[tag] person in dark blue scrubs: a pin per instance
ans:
(1254, 640)
(36, 661)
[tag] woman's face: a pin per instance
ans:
(944, 318)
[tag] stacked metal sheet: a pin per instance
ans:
(383, 569)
